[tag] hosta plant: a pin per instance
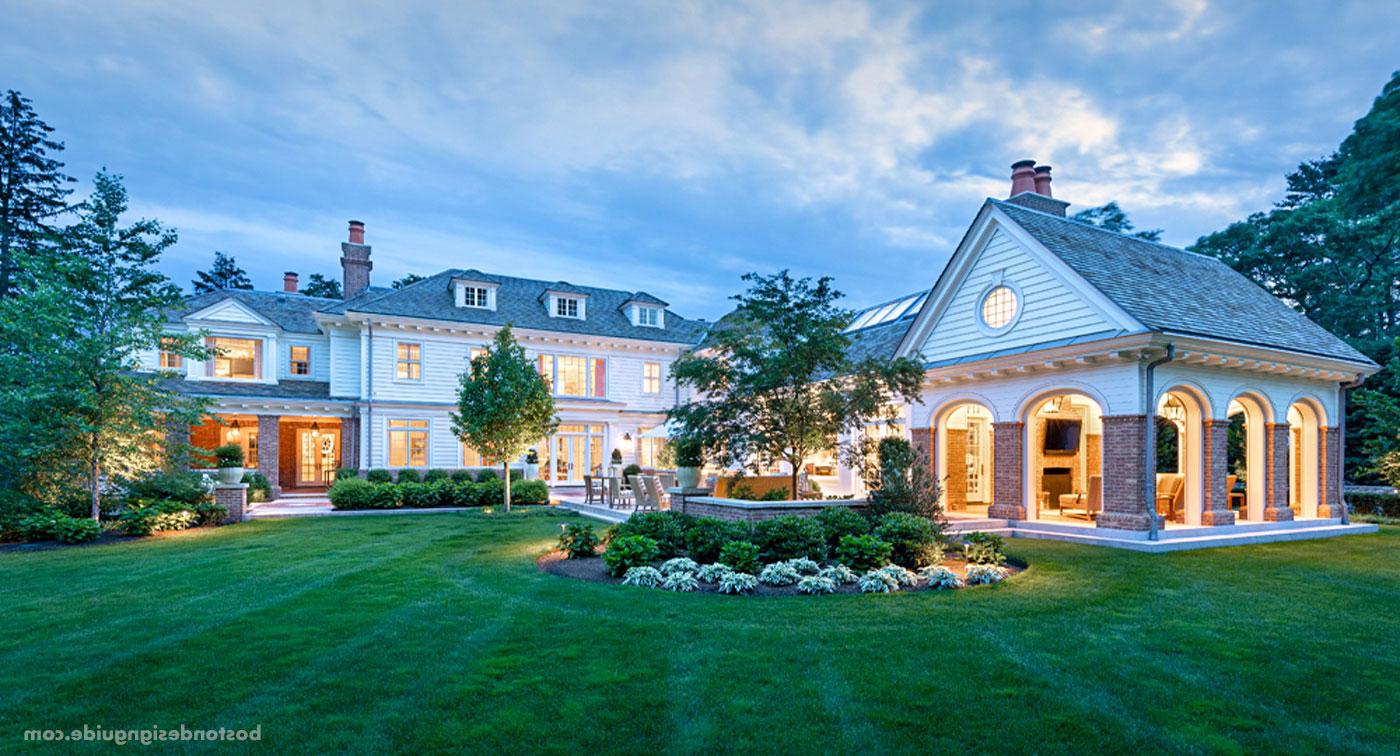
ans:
(804, 566)
(876, 581)
(906, 578)
(683, 582)
(778, 573)
(985, 574)
(679, 564)
(840, 574)
(813, 584)
(940, 578)
(984, 548)
(712, 573)
(645, 577)
(737, 582)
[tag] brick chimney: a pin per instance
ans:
(1022, 177)
(289, 282)
(354, 260)
(1030, 187)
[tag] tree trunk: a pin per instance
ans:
(794, 481)
(507, 466)
(96, 477)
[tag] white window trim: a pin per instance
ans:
(556, 301)
(266, 346)
(660, 316)
(997, 281)
(660, 379)
(394, 366)
(588, 374)
(427, 430)
(309, 367)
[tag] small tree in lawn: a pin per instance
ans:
(776, 380)
(503, 404)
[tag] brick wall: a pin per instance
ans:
(1276, 473)
(1216, 507)
(1125, 505)
(956, 475)
(1330, 468)
(717, 509)
(268, 444)
(350, 442)
(1007, 502)
(234, 498)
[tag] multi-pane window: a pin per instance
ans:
(300, 360)
(235, 358)
(474, 296)
(408, 443)
(546, 368)
(408, 361)
(169, 359)
(567, 375)
(565, 307)
(651, 378)
(999, 307)
(573, 376)
(472, 458)
(649, 316)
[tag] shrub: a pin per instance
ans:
(667, 529)
(863, 553)
(734, 583)
(905, 578)
(985, 574)
(444, 492)
(683, 582)
(689, 454)
(15, 507)
(914, 540)
(53, 525)
(813, 585)
(707, 535)
(804, 566)
(740, 556)
(161, 515)
(940, 578)
(779, 573)
(712, 573)
(630, 470)
(643, 577)
(790, 537)
(418, 495)
(679, 564)
(379, 476)
(905, 482)
(876, 581)
(529, 492)
(490, 493)
(616, 456)
(461, 476)
(209, 514)
(984, 548)
(228, 455)
(578, 541)
(408, 475)
(352, 493)
(345, 473)
(1374, 503)
(436, 474)
(775, 494)
(185, 487)
(387, 496)
(485, 475)
(461, 494)
(516, 475)
(840, 574)
(259, 489)
(841, 521)
(629, 551)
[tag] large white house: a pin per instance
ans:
(1050, 347)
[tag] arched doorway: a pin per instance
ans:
(964, 439)
(1305, 421)
(1064, 457)
(1246, 453)
(1181, 474)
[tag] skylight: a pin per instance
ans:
(888, 311)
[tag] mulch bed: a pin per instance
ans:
(593, 570)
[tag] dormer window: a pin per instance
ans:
(566, 307)
(475, 296)
(649, 316)
(475, 293)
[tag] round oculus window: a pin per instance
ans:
(999, 307)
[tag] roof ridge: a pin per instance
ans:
(1101, 229)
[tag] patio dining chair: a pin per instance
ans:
(645, 502)
(618, 497)
(667, 479)
(588, 489)
(655, 492)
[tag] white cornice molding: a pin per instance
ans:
(485, 331)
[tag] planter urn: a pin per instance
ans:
(230, 475)
(688, 477)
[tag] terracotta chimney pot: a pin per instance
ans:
(289, 282)
(1042, 180)
(1022, 177)
(357, 232)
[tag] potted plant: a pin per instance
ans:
(230, 460)
(616, 462)
(690, 457)
(532, 465)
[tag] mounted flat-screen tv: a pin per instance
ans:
(1062, 436)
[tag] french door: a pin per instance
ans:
(977, 459)
(316, 456)
(574, 451)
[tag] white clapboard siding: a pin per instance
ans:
(320, 357)
(344, 373)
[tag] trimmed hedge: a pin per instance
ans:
(1367, 502)
(354, 493)
(790, 537)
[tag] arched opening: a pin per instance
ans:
(964, 454)
(1305, 420)
(1180, 456)
(1246, 455)
(1064, 458)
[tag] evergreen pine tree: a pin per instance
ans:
(33, 187)
(224, 274)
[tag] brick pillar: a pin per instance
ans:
(1330, 468)
(1007, 499)
(956, 441)
(1217, 472)
(1276, 507)
(269, 432)
(350, 442)
(922, 441)
(1125, 506)
(234, 498)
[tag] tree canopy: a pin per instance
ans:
(776, 379)
(223, 274)
(1112, 218)
(33, 187)
(320, 286)
(408, 280)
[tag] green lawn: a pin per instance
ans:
(437, 632)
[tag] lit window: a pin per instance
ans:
(235, 358)
(546, 368)
(169, 359)
(999, 307)
(573, 376)
(565, 307)
(408, 443)
(651, 378)
(649, 316)
(408, 365)
(472, 458)
(598, 373)
(301, 360)
(474, 296)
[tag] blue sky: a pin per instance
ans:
(674, 146)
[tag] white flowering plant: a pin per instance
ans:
(712, 573)
(804, 566)
(940, 578)
(779, 573)
(735, 583)
(878, 581)
(679, 564)
(840, 574)
(903, 576)
(985, 574)
(682, 582)
(643, 577)
(814, 584)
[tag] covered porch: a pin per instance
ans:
(296, 453)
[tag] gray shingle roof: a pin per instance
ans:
(518, 303)
(879, 342)
(290, 311)
(279, 390)
(1174, 291)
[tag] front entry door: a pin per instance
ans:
(976, 460)
(316, 456)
